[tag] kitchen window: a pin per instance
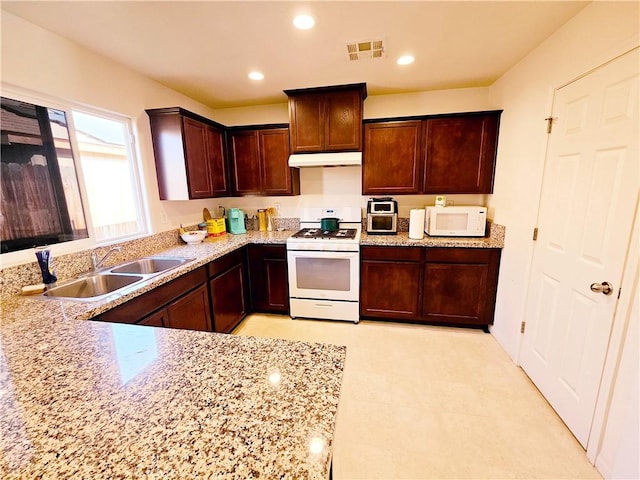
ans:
(110, 176)
(67, 174)
(40, 202)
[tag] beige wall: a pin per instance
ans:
(38, 60)
(342, 185)
(41, 63)
(597, 34)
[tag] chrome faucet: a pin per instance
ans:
(98, 263)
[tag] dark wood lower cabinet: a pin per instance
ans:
(268, 278)
(156, 319)
(389, 282)
(453, 286)
(227, 295)
(460, 285)
(192, 311)
(180, 303)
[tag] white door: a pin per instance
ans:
(589, 193)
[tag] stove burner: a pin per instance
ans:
(316, 233)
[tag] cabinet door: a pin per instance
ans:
(460, 154)
(268, 278)
(390, 283)
(460, 286)
(228, 298)
(197, 159)
(277, 177)
(157, 319)
(246, 162)
(191, 311)
(307, 123)
(219, 177)
(392, 159)
(138, 308)
(343, 121)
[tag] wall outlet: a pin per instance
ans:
(277, 207)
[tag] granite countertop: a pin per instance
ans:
(101, 401)
(98, 400)
(17, 307)
(495, 239)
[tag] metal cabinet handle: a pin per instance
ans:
(605, 288)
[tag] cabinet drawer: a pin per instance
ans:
(407, 254)
(139, 307)
(272, 252)
(222, 264)
(460, 255)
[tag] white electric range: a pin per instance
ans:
(324, 266)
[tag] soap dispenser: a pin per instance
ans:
(45, 262)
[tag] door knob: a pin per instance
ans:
(604, 287)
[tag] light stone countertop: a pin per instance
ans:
(495, 239)
(96, 400)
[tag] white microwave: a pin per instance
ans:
(455, 221)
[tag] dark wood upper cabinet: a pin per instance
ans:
(326, 119)
(245, 162)
(306, 114)
(460, 154)
(442, 154)
(259, 162)
(393, 158)
(189, 155)
(277, 177)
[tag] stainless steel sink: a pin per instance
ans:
(93, 286)
(100, 284)
(150, 265)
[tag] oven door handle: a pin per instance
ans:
(323, 254)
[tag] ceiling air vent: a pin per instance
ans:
(366, 49)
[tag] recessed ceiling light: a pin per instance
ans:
(405, 60)
(256, 76)
(304, 22)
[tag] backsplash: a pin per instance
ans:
(12, 279)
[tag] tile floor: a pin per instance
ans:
(422, 402)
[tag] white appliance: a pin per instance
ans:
(325, 159)
(324, 266)
(455, 221)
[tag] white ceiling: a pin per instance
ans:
(206, 49)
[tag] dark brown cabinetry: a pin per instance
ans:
(460, 153)
(454, 286)
(326, 119)
(390, 282)
(181, 303)
(259, 162)
(431, 155)
(189, 311)
(189, 155)
(228, 292)
(393, 161)
(268, 280)
(460, 285)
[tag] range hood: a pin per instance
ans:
(325, 159)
